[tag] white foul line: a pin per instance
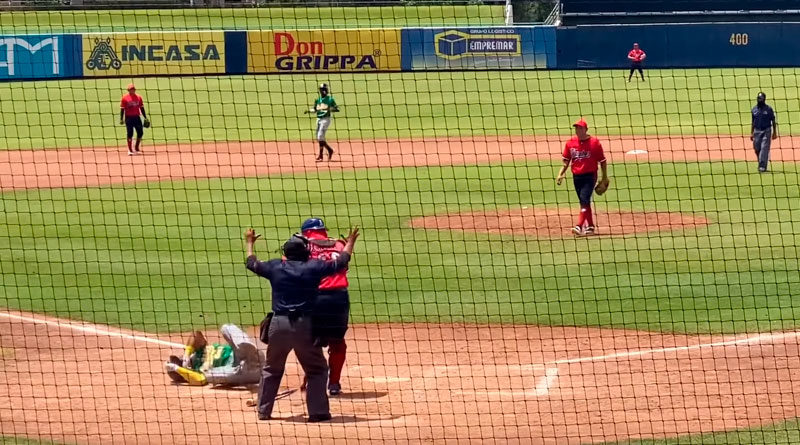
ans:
(90, 328)
(760, 338)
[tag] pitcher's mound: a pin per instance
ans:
(556, 223)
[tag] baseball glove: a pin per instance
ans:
(602, 186)
(146, 123)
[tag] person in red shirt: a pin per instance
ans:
(585, 153)
(636, 56)
(131, 106)
(332, 308)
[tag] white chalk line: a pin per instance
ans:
(91, 329)
(542, 387)
(755, 339)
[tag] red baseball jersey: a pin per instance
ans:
(328, 249)
(584, 155)
(636, 55)
(132, 104)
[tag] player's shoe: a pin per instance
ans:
(130, 153)
(762, 170)
(589, 231)
(330, 154)
(319, 418)
(262, 416)
(577, 230)
(319, 158)
(335, 389)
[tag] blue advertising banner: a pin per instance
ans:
(478, 48)
(699, 45)
(40, 56)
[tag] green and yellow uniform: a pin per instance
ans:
(324, 105)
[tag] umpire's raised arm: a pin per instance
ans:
(260, 268)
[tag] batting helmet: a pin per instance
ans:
(323, 89)
(761, 96)
(312, 224)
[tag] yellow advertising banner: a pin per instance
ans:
(133, 54)
(323, 50)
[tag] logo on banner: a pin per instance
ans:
(14, 47)
(457, 44)
(297, 55)
(104, 57)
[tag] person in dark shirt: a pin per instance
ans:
(295, 285)
(763, 130)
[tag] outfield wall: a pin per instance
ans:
(681, 46)
(390, 50)
(274, 51)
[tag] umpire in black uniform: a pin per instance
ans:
(295, 283)
(763, 130)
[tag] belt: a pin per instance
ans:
(292, 314)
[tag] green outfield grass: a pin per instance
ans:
(31, 22)
(786, 433)
(83, 113)
(168, 256)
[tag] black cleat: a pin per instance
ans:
(319, 418)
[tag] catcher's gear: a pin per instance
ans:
(312, 224)
(146, 123)
(323, 89)
(602, 186)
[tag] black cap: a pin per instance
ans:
(761, 96)
(296, 249)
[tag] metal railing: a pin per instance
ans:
(554, 18)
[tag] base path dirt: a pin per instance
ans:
(556, 222)
(80, 383)
(25, 169)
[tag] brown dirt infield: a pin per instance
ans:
(556, 222)
(408, 383)
(25, 169)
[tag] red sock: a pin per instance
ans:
(130, 142)
(588, 211)
(581, 217)
(138, 141)
(337, 352)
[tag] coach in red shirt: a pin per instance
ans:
(585, 153)
(131, 106)
(636, 56)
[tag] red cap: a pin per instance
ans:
(580, 123)
(131, 87)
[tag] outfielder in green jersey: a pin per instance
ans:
(323, 107)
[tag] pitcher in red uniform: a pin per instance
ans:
(332, 309)
(585, 154)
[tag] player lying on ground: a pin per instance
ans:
(235, 363)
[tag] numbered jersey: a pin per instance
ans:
(327, 250)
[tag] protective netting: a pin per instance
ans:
(488, 301)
